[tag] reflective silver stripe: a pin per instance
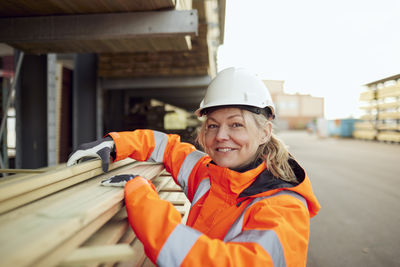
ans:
(237, 226)
(177, 246)
(187, 167)
(268, 240)
(203, 188)
(160, 140)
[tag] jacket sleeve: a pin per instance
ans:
(272, 234)
(179, 158)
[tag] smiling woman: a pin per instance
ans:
(251, 201)
(230, 139)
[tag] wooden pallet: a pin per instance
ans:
(389, 136)
(365, 134)
(367, 95)
(78, 222)
(389, 91)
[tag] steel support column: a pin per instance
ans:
(31, 113)
(84, 99)
(52, 110)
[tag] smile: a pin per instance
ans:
(225, 149)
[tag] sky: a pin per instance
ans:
(324, 48)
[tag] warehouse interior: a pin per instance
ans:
(75, 71)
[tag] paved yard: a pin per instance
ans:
(358, 186)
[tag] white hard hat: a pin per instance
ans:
(237, 87)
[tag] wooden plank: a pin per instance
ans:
(29, 196)
(59, 221)
(171, 189)
(63, 248)
(137, 246)
(38, 205)
(19, 187)
(365, 134)
(178, 202)
(128, 237)
(367, 95)
(60, 252)
(179, 199)
(122, 215)
(390, 105)
(21, 171)
(109, 234)
(100, 254)
(22, 176)
(159, 64)
(148, 263)
(140, 257)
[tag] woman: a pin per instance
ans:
(251, 201)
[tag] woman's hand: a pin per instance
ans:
(118, 180)
(98, 149)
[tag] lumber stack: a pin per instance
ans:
(159, 63)
(64, 217)
(381, 106)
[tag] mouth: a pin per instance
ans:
(225, 149)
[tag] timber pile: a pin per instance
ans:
(64, 217)
(162, 63)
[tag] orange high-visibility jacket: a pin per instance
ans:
(244, 218)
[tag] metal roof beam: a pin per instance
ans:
(99, 26)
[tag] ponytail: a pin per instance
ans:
(276, 155)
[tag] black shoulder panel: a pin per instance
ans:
(266, 181)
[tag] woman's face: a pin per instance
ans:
(232, 137)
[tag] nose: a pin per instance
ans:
(222, 134)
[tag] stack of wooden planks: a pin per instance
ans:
(64, 217)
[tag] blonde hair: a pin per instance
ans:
(274, 152)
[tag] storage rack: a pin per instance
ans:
(381, 105)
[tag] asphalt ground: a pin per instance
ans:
(358, 186)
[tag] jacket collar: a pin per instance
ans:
(237, 187)
(233, 182)
(253, 181)
(267, 182)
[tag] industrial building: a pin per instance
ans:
(294, 111)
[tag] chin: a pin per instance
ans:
(226, 164)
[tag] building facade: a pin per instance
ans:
(294, 111)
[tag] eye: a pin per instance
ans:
(212, 126)
(237, 124)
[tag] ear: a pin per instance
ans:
(265, 134)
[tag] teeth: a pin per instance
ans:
(224, 149)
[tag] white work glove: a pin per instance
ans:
(118, 180)
(98, 149)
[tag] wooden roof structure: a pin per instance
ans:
(390, 78)
(133, 39)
